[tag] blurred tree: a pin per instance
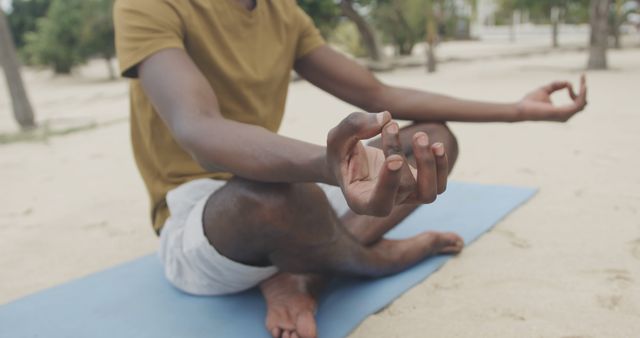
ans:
(325, 14)
(617, 19)
(599, 17)
(23, 17)
(71, 32)
(402, 22)
(347, 38)
(97, 32)
(58, 37)
(22, 110)
(619, 15)
(551, 12)
(455, 18)
(506, 13)
(368, 35)
(432, 36)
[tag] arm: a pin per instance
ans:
(372, 181)
(186, 102)
(352, 83)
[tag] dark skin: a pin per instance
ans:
(382, 182)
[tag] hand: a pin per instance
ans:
(373, 181)
(537, 105)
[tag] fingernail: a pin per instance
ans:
(439, 148)
(394, 165)
(380, 117)
(423, 141)
(393, 128)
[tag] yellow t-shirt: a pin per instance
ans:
(246, 56)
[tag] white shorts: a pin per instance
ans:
(190, 262)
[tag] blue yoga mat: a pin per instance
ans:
(134, 300)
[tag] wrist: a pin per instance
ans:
(516, 112)
(327, 173)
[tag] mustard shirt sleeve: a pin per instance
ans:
(309, 37)
(142, 28)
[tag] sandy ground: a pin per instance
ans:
(567, 264)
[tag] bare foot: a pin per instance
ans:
(442, 242)
(402, 254)
(290, 306)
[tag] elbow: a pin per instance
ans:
(186, 134)
(190, 135)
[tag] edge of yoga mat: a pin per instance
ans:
(513, 197)
(133, 299)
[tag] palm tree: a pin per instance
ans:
(432, 37)
(22, 110)
(599, 21)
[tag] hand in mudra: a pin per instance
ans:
(537, 105)
(372, 180)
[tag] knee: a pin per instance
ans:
(440, 132)
(276, 204)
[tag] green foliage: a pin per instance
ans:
(57, 38)
(325, 14)
(72, 31)
(574, 11)
(23, 18)
(402, 22)
(97, 31)
(347, 38)
(455, 19)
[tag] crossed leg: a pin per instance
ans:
(293, 227)
(291, 297)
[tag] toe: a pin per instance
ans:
(452, 243)
(278, 321)
(306, 325)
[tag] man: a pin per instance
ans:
(237, 205)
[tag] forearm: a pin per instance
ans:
(253, 152)
(415, 105)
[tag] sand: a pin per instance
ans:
(567, 264)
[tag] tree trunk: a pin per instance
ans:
(618, 19)
(473, 19)
(555, 20)
(599, 13)
(366, 32)
(112, 72)
(409, 40)
(512, 27)
(22, 110)
(432, 38)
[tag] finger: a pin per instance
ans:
(286, 334)
(275, 332)
(355, 127)
(427, 173)
(386, 188)
(391, 140)
(555, 86)
(582, 97)
(567, 111)
(442, 166)
(384, 194)
(572, 93)
(579, 103)
(294, 335)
